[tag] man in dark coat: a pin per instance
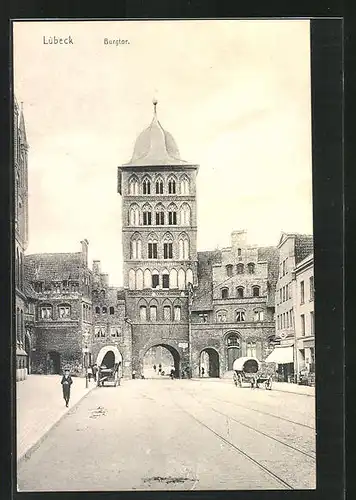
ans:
(66, 383)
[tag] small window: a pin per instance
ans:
(239, 292)
(165, 281)
(104, 310)
(177, 313)
(159, 218)
(239, 252)
(153, 313)
(233, 341)
(172, 186)
(159, 187)
(221, 316)
(256, 291)
(152, 250)
(203, 318)
(147, 218)
(168, 250)
(46, 312)
(311, 288)
(172, 218)
(64, 312)
(115, 331)
(302, 324)
(251, 349)
(258, 316)
(143, 313)
(112, 310)
(229, 270)
(97, 310)
(155, 280)
(240, 268)
(302, 292)
(224, 293)
(240, 316)
(146, 187)
(251, 268)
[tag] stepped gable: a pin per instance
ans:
(203, 296)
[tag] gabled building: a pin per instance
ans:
(233, 305)
(293, 248)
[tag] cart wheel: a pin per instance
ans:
(235, 379)
(239, 380)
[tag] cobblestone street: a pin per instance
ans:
(178, 435)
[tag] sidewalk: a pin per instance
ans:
(276, 386)
(40, 405)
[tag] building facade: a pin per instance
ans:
(112, 339)
(293, 248)
(233, 305)
(20, 158)
(159, 229)
(304, 318)
(62, 322)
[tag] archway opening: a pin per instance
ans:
(54, 363)
(159, 360)
(209, 363)
(109, 359)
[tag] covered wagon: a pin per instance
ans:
(247, 370)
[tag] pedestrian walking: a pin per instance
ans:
(202, 371)
(154, 367)
(159, 368)
(133, 373)
(172, 373)
(95, 371)
(66, 383)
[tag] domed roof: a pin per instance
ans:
(155, 146)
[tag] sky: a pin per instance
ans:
(235, 95)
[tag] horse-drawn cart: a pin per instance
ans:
(108, 375)
(247, 370)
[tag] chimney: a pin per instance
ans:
(96, 266)
(85, 244)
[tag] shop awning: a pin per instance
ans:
(281, 355)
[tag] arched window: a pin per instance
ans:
(172, 214)
(240, 292)
(185, 215)
(240, 268)
(139, 279)
(136, 246)
(132, 279)
(183, 246)
(97, 310)
(189, 276)
(168, 246)
(184, 185)
(165, 279)
(147, 279)
(147, 214)
(173, 279)
(258, 315)
(146, 186)
(171, 185)
(177, 313)
(46, 311)
(64, 311)
(153, 312)
(240, 316)
(251, 349)
(134, 215)
(221, 316)
(159, 185)
(133, 185)
(160, 214)
(255, 291)
(232, 340)
(143, 313)
(152, 251)
(167, 313)
(225, 293)
(181, 279)
(104, 310)
(251, 268)
(155, 279)
(229, 270)
(111, 310)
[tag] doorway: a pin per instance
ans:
(209, 363)
(54, 363)
(161, 356)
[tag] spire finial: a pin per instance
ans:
(154, 101)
